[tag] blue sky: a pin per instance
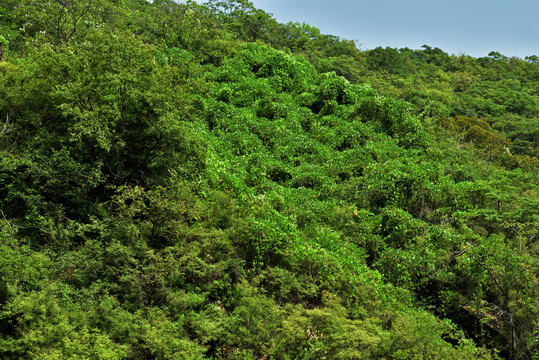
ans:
(472, 27)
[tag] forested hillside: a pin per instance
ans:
(185, 181)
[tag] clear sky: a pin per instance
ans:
(471, 27)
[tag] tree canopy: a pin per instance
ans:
(186, 181)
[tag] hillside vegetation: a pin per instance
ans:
(184, 181)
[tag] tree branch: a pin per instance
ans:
(6, 129)
(490, 271)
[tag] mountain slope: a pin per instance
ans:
(188, 181)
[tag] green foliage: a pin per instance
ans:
(199, 181)
(388, 59)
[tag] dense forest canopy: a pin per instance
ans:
(186, 181)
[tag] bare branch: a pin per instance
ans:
(78, 18)
(6, 129)
(9, 223)
(490, 271)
